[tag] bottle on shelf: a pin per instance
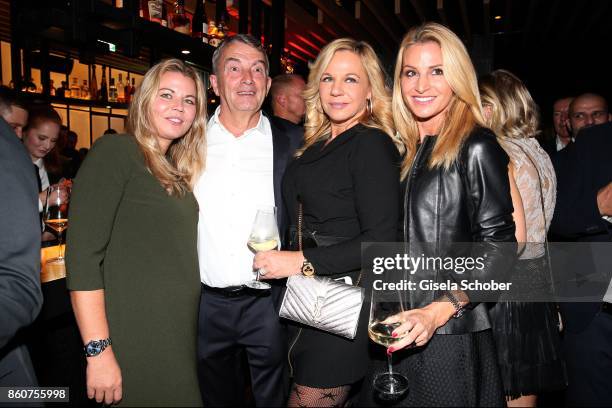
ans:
(180, 21)
(120, 90)
(51, 88)
(75, 89)
(155, 10)
(112, 91)
(85, 90)
(164, 21)
(164, 18)
(103, 95)
(93, 84)
(213, 34)
(221, 29)
(143, 9)
(132, 89)
(200, 22)
(126, 90)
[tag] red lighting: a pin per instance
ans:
(308, 42)
(302, 50)
(317, 37)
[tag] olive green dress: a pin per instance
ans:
(130, 238)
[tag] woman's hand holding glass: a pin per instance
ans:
(278, 264)
(417, 326)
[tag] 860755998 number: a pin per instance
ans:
(34, 394)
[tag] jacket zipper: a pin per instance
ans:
(289, 352)
(406, 197)
(409, 187)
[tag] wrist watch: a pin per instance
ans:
(95, 347)
(459, 310)
(308, 268)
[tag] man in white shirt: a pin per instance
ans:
(246, 159)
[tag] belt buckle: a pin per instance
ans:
(234, 291)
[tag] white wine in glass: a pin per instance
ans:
(264, 237)
(56, 214)
(385, 305)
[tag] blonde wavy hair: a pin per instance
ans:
(464, 112)
(178, 169)
(317, 125)
(514, 113)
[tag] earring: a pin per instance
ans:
(369, 106)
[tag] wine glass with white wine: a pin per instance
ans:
(264, 237)
(384, 305)
(56, 214)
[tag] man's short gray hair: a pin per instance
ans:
(242, 38)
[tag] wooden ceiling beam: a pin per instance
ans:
(377, 29)
(529, 22)
(385, 18)
(442, 12)
(347, 22)
(418, 7)
(299, 16)
(486, 17)
(465, 18)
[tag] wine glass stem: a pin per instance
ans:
(392, 381)
(61, 250)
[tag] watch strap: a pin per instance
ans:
(459, 310)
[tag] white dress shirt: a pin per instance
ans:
(237, 180)
(44, 180)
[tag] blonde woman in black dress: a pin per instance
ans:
(347, 178)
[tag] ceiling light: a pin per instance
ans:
(186, 52)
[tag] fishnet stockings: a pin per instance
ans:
(302, 396)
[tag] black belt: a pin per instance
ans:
(228, 291)
(606, 308)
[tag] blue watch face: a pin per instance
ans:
(93, 348)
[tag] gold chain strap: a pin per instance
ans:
(299, 226)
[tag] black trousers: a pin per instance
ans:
(588, 355)
(229, 326)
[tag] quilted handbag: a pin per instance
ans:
(322, 302)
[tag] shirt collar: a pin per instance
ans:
(259, 127)
(38, 163)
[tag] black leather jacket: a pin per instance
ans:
(468, 203)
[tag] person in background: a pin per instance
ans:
(110, 131)
(20, 293)
(70, 156)
(456, 190)
(39, 138)
(586, 110)
(526, 333)
(346, 178)
(13, 110)
(287, 100)
(561, 134)
(131, 263)
(247, 156)
(583, 214)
